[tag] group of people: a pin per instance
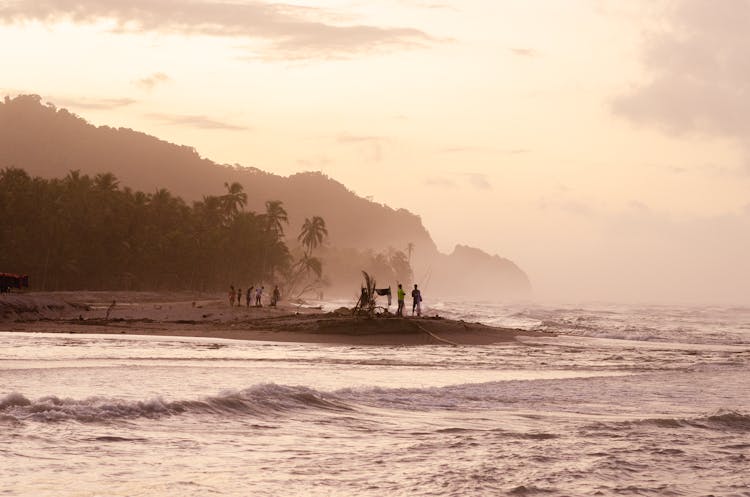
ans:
(235, 298)
(253, 292)
(416, 301)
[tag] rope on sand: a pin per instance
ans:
(436, 337)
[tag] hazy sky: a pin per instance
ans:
(604, 146)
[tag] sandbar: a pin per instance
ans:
(210, 316)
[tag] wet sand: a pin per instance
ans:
(177, 314)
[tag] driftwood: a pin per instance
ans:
(366, 302)
(366, 305)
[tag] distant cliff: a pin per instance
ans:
(470, 272)
(50, 142)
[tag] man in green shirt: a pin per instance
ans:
(401, 295)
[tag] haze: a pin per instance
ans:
(602, 146)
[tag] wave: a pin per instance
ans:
(725, 420)
(272, 399)
(722, 420)
(655, 323)
(259, 400)
(50, 364)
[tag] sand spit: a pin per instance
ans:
(179, 314)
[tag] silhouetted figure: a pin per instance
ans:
(249, 296)
(416, 302)
(401, 294)
(258, 296)
(275, 296)
(231, 295)
(239, 297)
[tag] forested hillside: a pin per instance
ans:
(50, 142)
(148, 211)
(87, 233)
(80, 232)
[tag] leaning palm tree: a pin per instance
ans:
(312, 234)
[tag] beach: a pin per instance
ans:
(179, 314)
(159, 401)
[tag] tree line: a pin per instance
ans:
(83, 232)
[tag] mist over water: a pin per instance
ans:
(624, 401)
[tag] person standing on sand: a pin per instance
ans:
(275, 296)
(249, 296)
(401, 294)
(239, 297)
(231, 295)
(258, 296)
(416, 302)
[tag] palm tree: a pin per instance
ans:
(312, 234)
(106, 182)
(275, 215)
(234, 200)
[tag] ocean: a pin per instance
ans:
(624, 400)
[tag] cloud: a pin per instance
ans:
(458, 150)
(195, 121)
(150, 82)
(489, 150)
(566, 206)
(315, 162)
(698, 66)
(440, 182)
(426, 5)
(475, 180)
(347, 138)
(370, 146)
(94, 104)
(478, 181)
(524, 52)
(288, 31)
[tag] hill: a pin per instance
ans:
(49, 142)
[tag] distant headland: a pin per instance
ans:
(48, 142)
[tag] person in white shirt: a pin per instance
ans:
(416, 302)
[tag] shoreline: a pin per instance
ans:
(210, 316)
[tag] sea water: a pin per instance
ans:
(624, 400)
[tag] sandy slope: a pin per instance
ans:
(211, 316)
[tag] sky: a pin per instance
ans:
(601, 145)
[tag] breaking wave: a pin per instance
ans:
(722, 420)
(259, 400)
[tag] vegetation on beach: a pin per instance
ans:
(82, 232)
